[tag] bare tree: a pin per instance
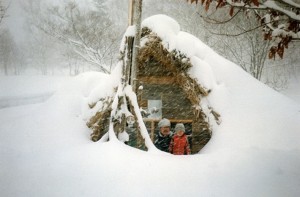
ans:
(248, 50)
(89, 33)
(3, 10)
(7, 50)
(278, 74)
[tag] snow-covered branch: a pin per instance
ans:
(90, 40)
(280, 18)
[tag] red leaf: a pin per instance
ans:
(255, 2)
(192, 1)
(267, 36)
(280, 51)
(231, 11)
(220, 4)
(207, 5)
(272, 52)
(293, 26)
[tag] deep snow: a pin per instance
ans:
(45, 148)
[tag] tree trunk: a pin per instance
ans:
(5, 68)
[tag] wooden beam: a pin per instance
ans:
(171, 120)
(137, 21)
(152, 130)
(130, 12)
(157, 80)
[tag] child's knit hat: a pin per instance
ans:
(179, 127)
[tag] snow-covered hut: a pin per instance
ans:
(166, 90)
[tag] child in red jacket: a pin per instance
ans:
(179, 144)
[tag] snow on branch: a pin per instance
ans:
(89, 54)
(280, 19)
(288, 11)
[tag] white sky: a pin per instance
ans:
(45, 148)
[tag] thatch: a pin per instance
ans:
(177, 63)
(99, 123)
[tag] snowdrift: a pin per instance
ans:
(45, 148)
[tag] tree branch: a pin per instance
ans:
(214, 21)
(3, 11)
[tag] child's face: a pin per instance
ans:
(165, 131)
(180, 133)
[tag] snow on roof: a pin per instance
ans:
(236, 95)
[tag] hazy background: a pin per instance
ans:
(51, 37)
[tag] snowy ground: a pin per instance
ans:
(46, 151)
(45, 148)
(22, 90)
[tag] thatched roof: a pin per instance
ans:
(176, 62)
